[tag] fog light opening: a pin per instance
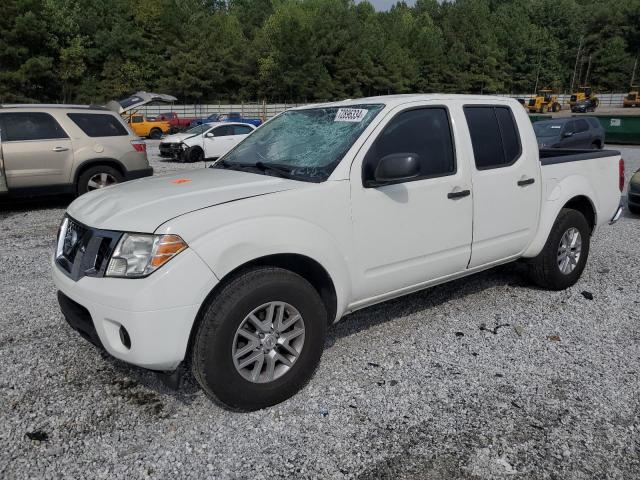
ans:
(124, 337)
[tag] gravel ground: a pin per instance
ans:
(486, 377)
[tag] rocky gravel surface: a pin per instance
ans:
(486, 377)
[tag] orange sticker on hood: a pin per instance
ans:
(181, 180)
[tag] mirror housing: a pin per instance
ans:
(395, 168)
(567, 134)
(209, 135)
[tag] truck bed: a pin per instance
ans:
(552, 156)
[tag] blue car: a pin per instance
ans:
(229, 117)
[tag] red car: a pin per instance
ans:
(176, 122)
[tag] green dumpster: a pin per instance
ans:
(623, 129)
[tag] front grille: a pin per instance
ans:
(85, 251)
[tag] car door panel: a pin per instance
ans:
(412, 232)
(506, 184)
(30, 161)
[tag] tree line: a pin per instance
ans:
(92, 51)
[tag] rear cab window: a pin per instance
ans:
(99, 124)
(494, 136)
(25, 126)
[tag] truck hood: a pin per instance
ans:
(143, 205)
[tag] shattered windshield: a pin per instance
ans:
(302, 144)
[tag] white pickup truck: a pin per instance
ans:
(238, 269)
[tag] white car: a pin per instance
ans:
(238, 270)
(209, 140)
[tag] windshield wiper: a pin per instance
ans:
(261, 166)
(283, 171)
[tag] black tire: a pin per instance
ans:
(212, 362)
(556, 107)
(596, 146)
(544, 269)
(83, 184)
(155, 134)
(195, 154)
(633, 209)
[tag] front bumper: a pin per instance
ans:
(170, 150)
(156, 312)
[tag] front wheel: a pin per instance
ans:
(260, 339)
(563, 258)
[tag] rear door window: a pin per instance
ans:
(99, 124)
(593, 122)
(21, 126)
(582, 126)
(494, 136)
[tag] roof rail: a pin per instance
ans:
(52, 105)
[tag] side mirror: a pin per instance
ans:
(397, 167)
(567, 134)
(209, 135)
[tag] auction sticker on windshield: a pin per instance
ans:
(350, 115)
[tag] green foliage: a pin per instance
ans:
(310, 50)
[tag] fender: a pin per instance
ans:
(233, 245)
(117, 164)
(558, 194)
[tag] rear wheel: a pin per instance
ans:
(556, 107)
(98, 177)
(155, 133)
(633, 209)
(260, 339)
(565, 253)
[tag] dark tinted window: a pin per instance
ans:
(494, 136)
(570, 127)
(223, 131)
(425, 132)
(30, 126)
(137, 119)
(582, 126)
(98, 124)
(593, 122)
(241, 130)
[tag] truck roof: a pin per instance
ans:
(394, 100)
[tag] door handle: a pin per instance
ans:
(526, 181)
(59, 149)
(459, 194)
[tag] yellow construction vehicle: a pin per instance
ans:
(543, 102)
(583, 93)
(633, 97)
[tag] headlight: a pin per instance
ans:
(138, 255)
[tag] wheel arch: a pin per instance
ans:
(579, 202)
(95, 162)
(308, 268)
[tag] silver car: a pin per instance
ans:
(49, 149)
